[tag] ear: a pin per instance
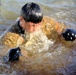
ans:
(21, 18)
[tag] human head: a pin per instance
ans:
(31, 16)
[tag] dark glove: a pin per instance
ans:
(12, 55)
(69, 35)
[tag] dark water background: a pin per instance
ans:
(60, 62)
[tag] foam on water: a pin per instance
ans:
(37, 42)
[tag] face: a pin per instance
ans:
(29, 26)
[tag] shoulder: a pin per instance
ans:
(50, 26)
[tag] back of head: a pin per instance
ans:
(32, 12)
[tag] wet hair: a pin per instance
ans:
(32, 12)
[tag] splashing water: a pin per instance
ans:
(59, 59)
(37, 42)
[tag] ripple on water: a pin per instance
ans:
(54, 61)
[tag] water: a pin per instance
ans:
(60, 59)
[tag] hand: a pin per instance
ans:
(69, 35)
(12, 55)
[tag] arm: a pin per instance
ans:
(9, 39)
(52, 29)
(67, 33)
(12, 40)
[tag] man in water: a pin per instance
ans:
(30, 32)
(27, 30)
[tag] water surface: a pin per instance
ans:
(60, 59)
